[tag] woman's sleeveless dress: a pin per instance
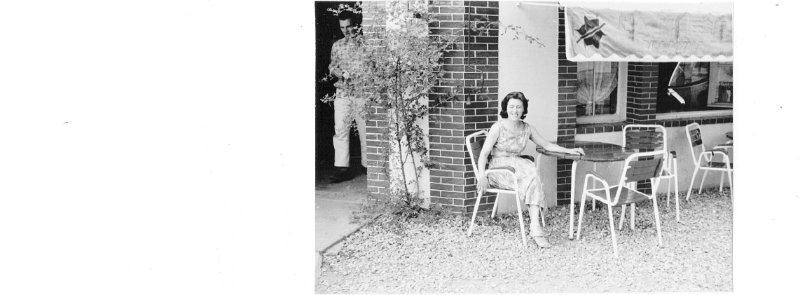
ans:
(506, 153)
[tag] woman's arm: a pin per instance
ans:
(549, 146)
(491, 139)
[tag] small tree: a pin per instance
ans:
(397, 66)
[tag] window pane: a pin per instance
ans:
(597, 88)
(725, 88)
(686, 87)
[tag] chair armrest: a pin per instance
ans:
(709, 155)
(597, 177)
(724, 146)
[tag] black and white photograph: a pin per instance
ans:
(524, 147)
(414, 146)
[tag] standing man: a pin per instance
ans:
(346, 107)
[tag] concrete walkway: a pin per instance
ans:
(334, 205)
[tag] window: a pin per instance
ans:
(599, 97)
(694, 86)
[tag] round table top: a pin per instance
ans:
(595, 151)
(729, 134)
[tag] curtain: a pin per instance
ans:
(596, 80)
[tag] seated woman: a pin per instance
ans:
(506, 140)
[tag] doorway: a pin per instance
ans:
(327, 32)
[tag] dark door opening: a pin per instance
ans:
(327, 32)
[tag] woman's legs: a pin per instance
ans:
(537, 232)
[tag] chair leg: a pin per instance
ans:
(658, 220)
(474, 214)
(669, 190)
(721, 180)
(521, 223)
(611, 228)
(633, 214)
(580, 215)
(730, 177)
(496, 201)
(691, 184)
(702, 181)
(677, 200)
(622, 216)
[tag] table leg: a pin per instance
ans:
(572, 199)
(594, 183)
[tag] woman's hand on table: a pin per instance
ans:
(576, 151)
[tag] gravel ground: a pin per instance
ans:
(437, 256)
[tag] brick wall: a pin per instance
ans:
(470, 64)
(567, 100)
(642, 85)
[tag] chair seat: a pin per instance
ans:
(716, 165)
(528, 157)
(627, 195)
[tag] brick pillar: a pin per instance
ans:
(472, 59)
(567, 101)
(377, 182)
(642, 96)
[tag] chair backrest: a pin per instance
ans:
(644, 138)
(695, 139)
(640, 166)
(474, 147)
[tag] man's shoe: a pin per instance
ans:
(342, 174)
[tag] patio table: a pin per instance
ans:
(596, 152)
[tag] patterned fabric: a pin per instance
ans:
(506, 153)
(341, 57)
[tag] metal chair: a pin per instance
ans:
(704, 160)
(645, 138)
(637, 167)
(474, 148)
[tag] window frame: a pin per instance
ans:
(622, 100)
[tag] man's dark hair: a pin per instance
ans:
(347, 14)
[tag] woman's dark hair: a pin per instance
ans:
(510, 96)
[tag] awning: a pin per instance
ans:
(651, 32)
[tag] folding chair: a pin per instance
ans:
(645, 138)
(704, 160)
(637, 167)
(474, 148)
